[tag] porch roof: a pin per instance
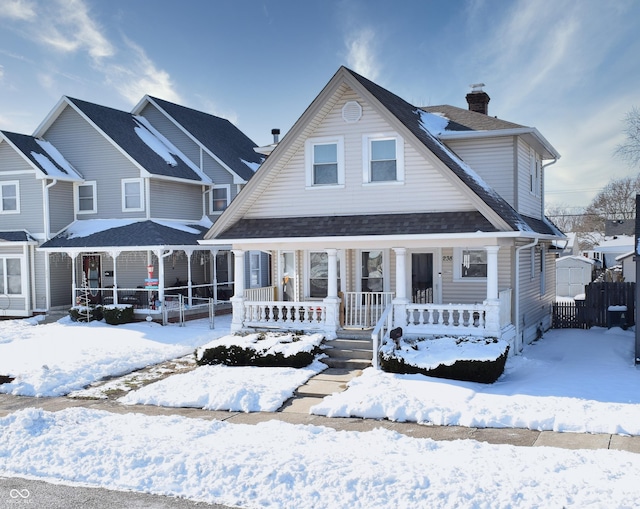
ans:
(129, 234)
(359, 225)
(16, 236)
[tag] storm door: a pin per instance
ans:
(91, 270)
(422, 278)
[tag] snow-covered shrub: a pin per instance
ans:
(455, 358)
(116, 315)
(86, 313)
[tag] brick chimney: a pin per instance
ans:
(478, 99)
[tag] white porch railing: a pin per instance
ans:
(262, 294)
(284, 314)
(468, 319)
(362, 310)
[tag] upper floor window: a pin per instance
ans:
(383, 158)
(86, 202)
(219, 198)
(132, 195)
(470, 263)
(324, 161)
(10, 197)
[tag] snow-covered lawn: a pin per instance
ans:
(568, 381)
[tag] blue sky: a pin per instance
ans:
(569, 68)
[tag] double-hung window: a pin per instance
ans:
(319, 274)
(10, 276)
(383, 159)
(86, 198)
(10, 197)
(132, 195)
(219, 198)
(324, 161)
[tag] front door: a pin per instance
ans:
(422, 278)
(91, 271)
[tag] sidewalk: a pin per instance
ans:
(296, 411)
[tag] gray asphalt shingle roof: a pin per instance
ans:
(16, 236)
(120, 127)
(466, 120)
(359, 225)
(218, 135)
(29, 145)
(143, 233)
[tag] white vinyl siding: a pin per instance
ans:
(175, 200)
(61, 208)
(426, 189)
(529, 203)
(493, 159)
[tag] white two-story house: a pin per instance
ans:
(429, 219)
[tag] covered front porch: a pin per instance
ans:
(376, 288)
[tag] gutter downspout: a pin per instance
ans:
(519, 342)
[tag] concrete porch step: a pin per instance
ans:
(346, 363)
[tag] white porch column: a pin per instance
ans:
(74, 278)
(492, 272)
(189, 252)
(114, 256)
(214, 281)
(237, 301)
(400, 301)
(492, 318)
(332, 301)
(160, 256)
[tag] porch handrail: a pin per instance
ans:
(382, 328)
(265, 293)
(363, 309)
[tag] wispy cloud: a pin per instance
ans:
(17, 9)
(69, 28)
(361, 52)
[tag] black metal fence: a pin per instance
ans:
(605, 305)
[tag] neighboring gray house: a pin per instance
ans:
(133, 209)
(435, 217)
(628, 263)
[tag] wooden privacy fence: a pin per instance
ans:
(594, 310)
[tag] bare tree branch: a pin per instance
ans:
(629, 150)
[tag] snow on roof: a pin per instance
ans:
(85, 228)
(625, 255)
(579, 258)
(252, 166)
(57, 157)
(615, 243)
(156, 145)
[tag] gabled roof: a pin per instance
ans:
(410, 121)
(41, 155)
(107, 234)
(139, 142)
(219, 137)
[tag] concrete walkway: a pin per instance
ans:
(296, 411)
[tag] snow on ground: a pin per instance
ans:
(279, 465)
(238, 388)
(57, 358)
(571, 380)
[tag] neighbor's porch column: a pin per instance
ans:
(237, 301)
(400, 301)
(332, 301)
(114, 256)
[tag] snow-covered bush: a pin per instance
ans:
(116, 315)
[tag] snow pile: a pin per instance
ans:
(279, 465)
(237, 388)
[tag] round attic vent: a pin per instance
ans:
(351, 111)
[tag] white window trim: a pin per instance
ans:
(307, 271)
(23, 275)
(308, 161)
(10, 183)
(366, 150)
(457, 265)
(386, 269)
(219, 186)
(76, 197)
(140, 183)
